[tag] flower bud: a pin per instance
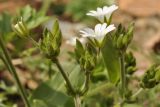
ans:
(86, 57)
(119, 41)
(151, 77)
(129, 34)
(51, 41)
(130, 63)
(21, 29)
(123, 37)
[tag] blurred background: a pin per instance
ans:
(72, 17)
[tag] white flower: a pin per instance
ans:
(103, 13)
(99, 31)
(72, 41)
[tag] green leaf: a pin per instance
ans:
(39, 103)
(5, 23)
(50, 96)
(52, 93)
(111, 60)
(32, 18)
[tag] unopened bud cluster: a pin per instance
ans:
(51, 41)
(130, 63)
(123, 37)
(151, 77)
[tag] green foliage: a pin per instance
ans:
(99, 72)
(5, 23)
(6, 91)
(32, 17)
(5, 26)
(53, 92)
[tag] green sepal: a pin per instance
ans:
(79, 50)
(119, 41)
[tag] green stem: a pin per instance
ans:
(137, 93)
(33, 41)
(85, 87)
(5, 62)
(56, 61)
(13, 72)
(77, 101)
(123, 75)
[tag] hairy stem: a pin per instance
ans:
(5, 62)
(64, 76)
(123, 75)
(14, 74)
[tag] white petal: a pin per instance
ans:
(105, 8)
(92, 13)
(102, 30)
(104, 25)
(97, 29)
(99, 10)
(110, 10)
(72, 41)
(100, 13)
(100, 18)
(87, 32)
(109, 28)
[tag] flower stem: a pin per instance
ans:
(137, 93)
(77, 101)
(13, 72)
(5, 62)
(123, 75)
(56, 61)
